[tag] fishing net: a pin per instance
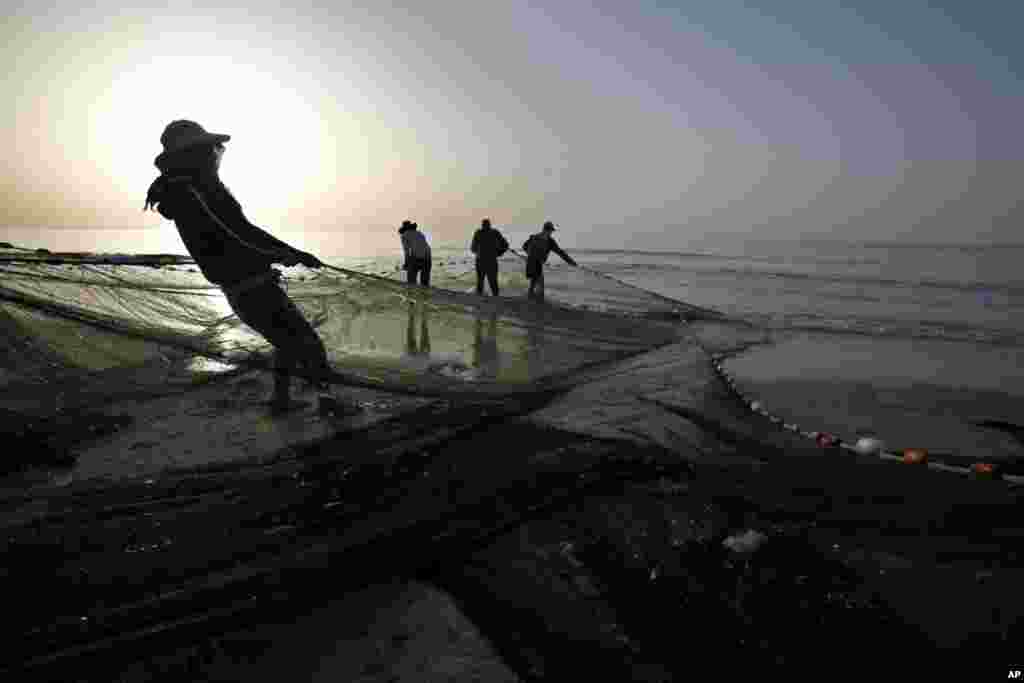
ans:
(83, 330)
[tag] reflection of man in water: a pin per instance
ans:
(485, 346)
(423, 349)
(534, 349)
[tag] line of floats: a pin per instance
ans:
(866, 445)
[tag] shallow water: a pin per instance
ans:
(936, 331)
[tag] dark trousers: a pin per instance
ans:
(297, 347)
(419, 266)
(536, 290)
(490, 271)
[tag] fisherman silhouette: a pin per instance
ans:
(417, 253)
(537, 248)
(488, 244)
(236, 255)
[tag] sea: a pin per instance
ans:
(917, 344)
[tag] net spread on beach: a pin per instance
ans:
(82, 330)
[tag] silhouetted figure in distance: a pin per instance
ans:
(417, 253)
(488, 244)
(537, 248)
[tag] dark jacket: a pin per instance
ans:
(538, 247)
(225, 245)
(488, 244)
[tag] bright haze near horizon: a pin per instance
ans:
(644, 125)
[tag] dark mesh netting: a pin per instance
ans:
(87, 329)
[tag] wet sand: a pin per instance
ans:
(585, 533)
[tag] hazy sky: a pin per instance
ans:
(632, 124)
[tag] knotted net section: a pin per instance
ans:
(86, 329)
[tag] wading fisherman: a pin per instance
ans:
(417, 253)
(488, 244)
(236, 255)
(537, 248)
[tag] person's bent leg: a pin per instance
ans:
(318, 370)
(300, 347)
(268, 310)
(258, 308)
(410, 271)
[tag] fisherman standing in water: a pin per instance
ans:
(236, 255)
(488, 244)
(537, 248)
(417, 253)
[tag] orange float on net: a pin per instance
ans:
(915, 456)
(984, 469)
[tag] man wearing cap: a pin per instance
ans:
(488, 244)
(417, 253)
(236, 255)
(537, 248)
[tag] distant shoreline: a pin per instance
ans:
(692, 245)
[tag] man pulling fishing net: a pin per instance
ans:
(236, 255)
(537, 248)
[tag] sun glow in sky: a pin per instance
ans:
(631, 124)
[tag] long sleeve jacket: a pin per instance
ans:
(415, 246)
(225, 245)
(488, 244)
(539, 246)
